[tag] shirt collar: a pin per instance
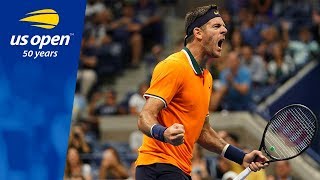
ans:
(192, 61)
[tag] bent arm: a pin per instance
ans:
(148, 115)
(210, 140)
(241, 88)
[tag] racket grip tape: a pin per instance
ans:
(243, 174)
(234, 154)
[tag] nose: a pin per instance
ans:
(224, 30)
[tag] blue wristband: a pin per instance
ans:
(234, 154)
(157, 132)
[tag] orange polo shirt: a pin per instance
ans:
(185, 89)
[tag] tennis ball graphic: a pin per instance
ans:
(272, 148)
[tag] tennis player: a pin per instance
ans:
(175, 115)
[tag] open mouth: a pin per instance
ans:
(220, 42)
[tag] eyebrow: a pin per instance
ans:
(221, 24)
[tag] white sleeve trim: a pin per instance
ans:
(149, 95)
(224, 150)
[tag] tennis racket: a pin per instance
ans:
(288, 134)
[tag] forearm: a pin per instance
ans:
(241, 88)
(146, 121)
(210, 140)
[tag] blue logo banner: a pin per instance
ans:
(39, 54)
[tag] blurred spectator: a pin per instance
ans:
(89, 126)
(75, 168)
(76, 177)
(109, 106)
(223, 134)
(234, 93)
(255, 64)
(93, 7)
(250, 29)
(280, 66)
(78, 141)
(270, 36)
(216, 66)
(232, 139)
(223, 167)
(199, 164)
(127, 30)
(235, 6)
(87, 75)
(137, 101)
(110, 53)
(132, 172)
(295, 11)
(135, 141)
(99, 25)
(283, 171)
(230, 175)
(303, 49)
(263, 8)
(316, 24)
(153, 58)
(94, 102)
(79, 104)
(149, 15)
(179, 44)
(236, 41)
(111, 167)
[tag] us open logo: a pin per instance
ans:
(46, 19)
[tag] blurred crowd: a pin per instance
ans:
(267, 43)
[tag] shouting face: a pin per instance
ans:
(212, 36)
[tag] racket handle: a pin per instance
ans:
(243, 174)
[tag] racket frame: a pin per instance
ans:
(262, 144)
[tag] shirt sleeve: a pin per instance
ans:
(166, 81)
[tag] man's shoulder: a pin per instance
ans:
(173, 61)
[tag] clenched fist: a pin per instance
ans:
(174, 134)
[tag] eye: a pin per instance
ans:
(216, 26)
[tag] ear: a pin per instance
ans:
(197, 32)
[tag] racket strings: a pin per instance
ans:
(291, 128)
(309, 128)
(291, 131)
(306, 124)
(296, 135)
(273, 140)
